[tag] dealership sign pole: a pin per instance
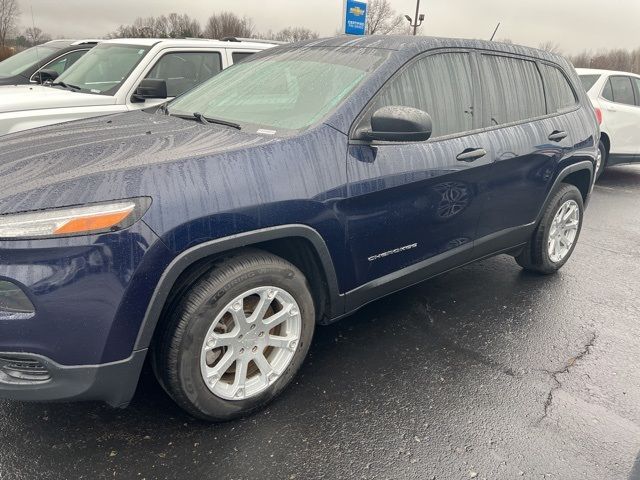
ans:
(355, 17)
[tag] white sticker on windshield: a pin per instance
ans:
(93, 90)
(266, 132)
(141, 51)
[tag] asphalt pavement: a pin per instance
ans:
(486, 372)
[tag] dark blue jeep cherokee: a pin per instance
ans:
(214, 233)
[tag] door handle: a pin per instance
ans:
(557, 135)
(471, 154)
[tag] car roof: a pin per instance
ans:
(599, 71)
(419, 43)
(408, 46)
(190, 42)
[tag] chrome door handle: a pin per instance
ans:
(557, 135)
(471, 154)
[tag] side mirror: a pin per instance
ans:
(398, 124)
(150, 88)
(46, 75)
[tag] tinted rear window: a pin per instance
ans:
(240, 56)
(622, 90)
(511, 89)
(637, 82)
(607, 93)
(560, 95)
(588, 81)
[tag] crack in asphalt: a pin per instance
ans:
(554, 374)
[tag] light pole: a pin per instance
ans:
(419, 18)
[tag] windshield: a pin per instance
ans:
(588, 81)
(103, 69)
(287, 90)
(18, 63)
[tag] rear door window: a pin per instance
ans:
(511, 90)
(622, 90)
(560, 95)
(637, 85)
(607, 91)
(184, 70)
(238, 57)
(440, 85)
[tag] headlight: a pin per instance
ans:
(71, 221)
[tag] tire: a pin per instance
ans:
(602, 150)
(211, 309)
(536, 256)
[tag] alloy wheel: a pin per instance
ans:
(563, 231)
(251, 343)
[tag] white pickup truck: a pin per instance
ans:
(118, 76)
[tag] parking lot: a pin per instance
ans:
(486, 372)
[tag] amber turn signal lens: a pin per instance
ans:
(93, 222)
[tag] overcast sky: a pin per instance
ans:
(575, 25)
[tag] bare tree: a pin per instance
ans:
(140, 28)
(182, 26)
(35, 36)
(171, 26)
(550, 47)
(290, 34)
(617, 59)
(382, 19)
(9, 13)
(227, 24)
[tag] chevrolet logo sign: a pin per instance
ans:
(357, 11)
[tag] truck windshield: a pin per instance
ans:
(282, 91)
(104, 68)
(18, 63)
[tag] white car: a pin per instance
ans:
(118, 76)
(616, 98)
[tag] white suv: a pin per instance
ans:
(120, 75)
(616, 98)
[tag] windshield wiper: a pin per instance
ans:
(208, 120)
(66, 85)
(203, 119)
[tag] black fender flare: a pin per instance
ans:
(564, 173)
(187, 258)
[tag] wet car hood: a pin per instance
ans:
(36, 97)
(69, 163)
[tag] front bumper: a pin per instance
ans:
(89, 294)
(29, 377)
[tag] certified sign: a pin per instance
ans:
(356, 18)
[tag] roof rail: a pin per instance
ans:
(74, 41)
(254, 40)
(91, 41)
